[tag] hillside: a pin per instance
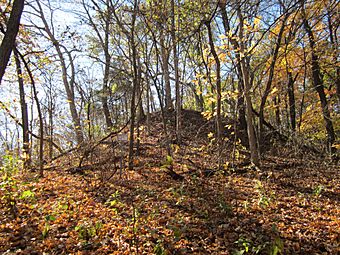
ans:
(288, 206)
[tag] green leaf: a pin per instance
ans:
(27, 194)
(49, 218)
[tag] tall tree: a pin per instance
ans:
(69, 83)
(275, 53)
(242, 123)
(318, 79)
(218, 89)
(254, 154)
(12, 29)
(102, 30)
(177, 84)
(24, 114)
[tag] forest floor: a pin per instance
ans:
(290, 205)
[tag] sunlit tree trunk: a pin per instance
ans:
(177, 85)
(68, 83)
(105, 17)
(333, 37)
(24, 113)
(41, 121)
(254, 154)
(165, 67)
(135, 86)
(242, 123)
(218, 91)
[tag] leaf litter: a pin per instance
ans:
(288, 206)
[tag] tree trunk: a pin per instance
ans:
(166, 76)
(8, 42)
(105, 92)
(277, 111)
(254, 155)
(51, 129)
(24, 114)
(107, 67)
(318, 85)
(335, 44)
(270, 80)
(177, 85)
(68, 84)
(105, 16)
(134, 89)
(291, 100)
(41, 122)
(218, 92)
(242, 127)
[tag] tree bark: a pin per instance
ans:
(318, 84)
(177, 85)
(218, 91)
(41, 121)
(254, 154)
(134, 89)
(166, 75)
(291, 100)
(242, 123)
(68, 84)
(270, 81)
(24, 116)
(8, 42)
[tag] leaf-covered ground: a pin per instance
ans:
(289, 206)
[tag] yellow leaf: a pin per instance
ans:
(210, 135)
(336, 146)
(222, 56)
(222, 37)
(257, 21)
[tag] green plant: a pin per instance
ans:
(10, 165)
(246, 205)
(113, 201)
(264, 198)
(246, 246)
(263, 201)
(8, 188)
(177, 232)
(8, 185)
(159, 248)
(168, 161)
(317, 191)
(47, 227)
(87, 231)
(27, 195)
(276, 246)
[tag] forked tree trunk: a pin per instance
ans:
(68, 84)
(241, 109)
(254, 154)
(41, 121)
